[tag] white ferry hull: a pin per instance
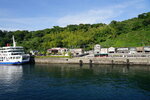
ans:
(14, 62)
(21, 60)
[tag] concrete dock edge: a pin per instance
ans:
(96, 60)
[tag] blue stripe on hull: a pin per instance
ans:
(13, 62)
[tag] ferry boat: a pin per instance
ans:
(13, 54)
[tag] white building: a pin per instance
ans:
(122, 50)
(97, 49)
(57, 51)
(76, 52)
(147, 49)
(132, 50)
(104, 51)
(111, 50)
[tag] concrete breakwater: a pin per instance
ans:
(96, 60)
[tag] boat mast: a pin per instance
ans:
(14, 43)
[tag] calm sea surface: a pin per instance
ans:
(72, 82)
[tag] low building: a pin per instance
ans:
(63, 50)
(104, 51)
(58, 51)
(97, 49)
(111, 50)
(76, 52)
(147, 49)
(140, 49)
(132, 50)
(52, 51)
(122, 50)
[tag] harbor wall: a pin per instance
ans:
(96, 60)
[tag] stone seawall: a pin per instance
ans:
(96, 60)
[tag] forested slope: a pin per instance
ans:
(129, 33)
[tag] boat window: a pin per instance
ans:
(25, 58)
(0, 58)
(17, 57)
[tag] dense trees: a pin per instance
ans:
(132, 32)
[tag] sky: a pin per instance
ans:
(35, 15)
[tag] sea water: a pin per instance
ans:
(74, 82)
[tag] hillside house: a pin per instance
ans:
(132, 50)
(147, 49)
(77, 52)
(57, 51)
(104, 52)
(111, 50)
(122, 50)
(140, 49)
(97, 49)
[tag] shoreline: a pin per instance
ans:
(96, 60)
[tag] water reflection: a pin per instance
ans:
(71, 82)
(131, 76)
(10, 76)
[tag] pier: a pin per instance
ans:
(96, 60)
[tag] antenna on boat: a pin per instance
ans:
(14, 43)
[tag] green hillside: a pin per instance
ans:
(129, 33)
(131, 39)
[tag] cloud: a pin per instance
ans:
(11, 29)
(101, 15)
(33, 20)
(91, 16)
(33, 23)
